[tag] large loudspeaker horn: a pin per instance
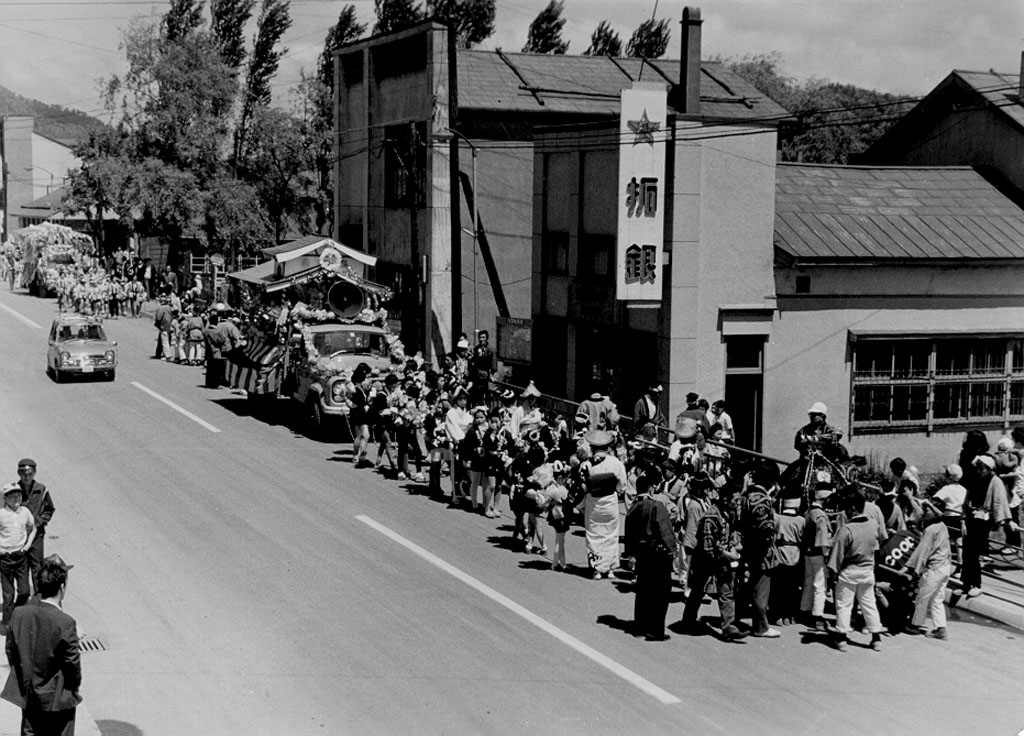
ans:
(346, 299)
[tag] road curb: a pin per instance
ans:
(10, 716)
(990, 606)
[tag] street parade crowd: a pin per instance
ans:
(775, 547)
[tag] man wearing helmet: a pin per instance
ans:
(818, 433)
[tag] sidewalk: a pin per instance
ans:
(1002, 593)
(10, 715)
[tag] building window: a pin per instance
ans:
(555, 252)
(596, 254)
(405, 165)
(921, 384)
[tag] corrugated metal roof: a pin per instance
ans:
(558, 83)
(864, 212)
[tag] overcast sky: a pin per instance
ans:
(57, 51)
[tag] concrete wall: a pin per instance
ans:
(50, 156)
(719, 224)
(504, 173)
(17, 148)
(34, 165)
(723, 205)
(808, 358)
(377, 97)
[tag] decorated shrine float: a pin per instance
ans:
(46, 248)
(314, 317)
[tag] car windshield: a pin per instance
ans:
(328, 343)
(81, 332)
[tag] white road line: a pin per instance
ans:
(22, 317)
(610, 664)
(176, 408)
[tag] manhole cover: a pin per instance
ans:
(92, 644)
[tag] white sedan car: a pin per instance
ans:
(78, 345)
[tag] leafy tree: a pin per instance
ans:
(473, 20)
(227, 22)
(280, 165)
(317, 95)
(346, 30)
(832, 122)
(396, 15)
(162, 165)
(175, 99)
(545, 36)
(604, 41)
(649, 40)
(274, 20)
(182, 18)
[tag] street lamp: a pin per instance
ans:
(45, 171)
(474, 232)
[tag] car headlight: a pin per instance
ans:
(109, 356)
(65, 358)
(337, 391)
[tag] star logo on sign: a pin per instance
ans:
(644, 129)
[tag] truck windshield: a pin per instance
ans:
(328, 343)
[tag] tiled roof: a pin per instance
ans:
(557, 83)
(867, 213)
(1001, 90)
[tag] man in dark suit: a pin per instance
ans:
(42, 649)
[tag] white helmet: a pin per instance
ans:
(818, 408)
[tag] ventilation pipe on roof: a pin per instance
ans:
(689, 62)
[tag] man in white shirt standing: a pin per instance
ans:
(17, 532)
(718, 416)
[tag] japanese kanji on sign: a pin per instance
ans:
(642, 142)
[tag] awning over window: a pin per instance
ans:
(745, 319)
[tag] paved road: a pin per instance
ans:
(249, 581)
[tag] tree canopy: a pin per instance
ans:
(833, 122)
(545, 36)
(604, 41)
(473, 20)
(396, 15)
(195, 152)
(649, 40)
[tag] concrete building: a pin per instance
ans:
(899, 305)
(33, 166)
(416, 115)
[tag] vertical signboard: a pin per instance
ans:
(642, 142)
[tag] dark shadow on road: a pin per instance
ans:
(824, 638)
(108, 727)
(506, 542)
(536, 563)
(279, 413)
(619, 624)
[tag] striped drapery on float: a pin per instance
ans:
(255, 368)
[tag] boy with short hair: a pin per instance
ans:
(853, 562)
(931, 562)
(17, 532)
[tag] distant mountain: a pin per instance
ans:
(55, 122)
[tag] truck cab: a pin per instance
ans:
(320, 385)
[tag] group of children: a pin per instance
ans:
(94, 291)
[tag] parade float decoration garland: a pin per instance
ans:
(333, 266)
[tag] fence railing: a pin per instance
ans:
(627, 424)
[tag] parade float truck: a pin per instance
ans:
(45, 249)
(307, 351)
